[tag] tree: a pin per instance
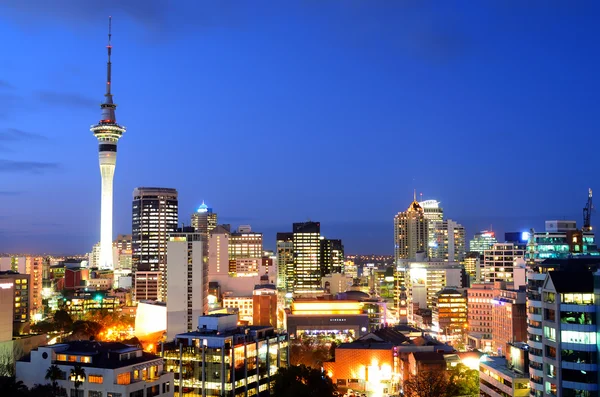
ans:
(428, 384)
(302, 381)
(42, 391)
(77, 376)
(53, 374)
(10, 386)
(464, 381)
(308, 351)
(62, 320)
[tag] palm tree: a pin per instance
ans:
(53, 374)
(77, 376)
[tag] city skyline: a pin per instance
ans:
(438, 81)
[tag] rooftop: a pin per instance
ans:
(499, 364)
(572, 281)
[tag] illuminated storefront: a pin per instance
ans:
(327, 318)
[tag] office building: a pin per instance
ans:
(148, 286)
(22, 299)
(242, 305)
(7, 302)
(264, 305)
(482, 241)
(509, 318)
(332, 256)
(307, 258)
(224, 359)
(410, 232)
(112, 369)
(500, 263)
(560, 240)
(108, 133)
(154, 216)
(204, 220)
(472, 264)
(479, 316)
(285, 261)
(449, 314)
(123, 252)
(433, 213)
(497, 378)
(187, 280)
(446, 241)
(245, 244)
(218, 251)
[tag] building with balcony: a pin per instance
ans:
(223, 359)
(111, 369)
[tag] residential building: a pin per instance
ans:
(509, 318)
(410, 232)
(187, 280)
(154, 216)
(433, 213)
(147, 286)
(112, 369)
(123, 251)
(34, 267)
(307, 258)
(218, 251)
(482, 241)
(264, 305)
(223, 359)
(500, 262)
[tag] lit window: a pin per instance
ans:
(95, 378)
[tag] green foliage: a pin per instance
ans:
(53, 374)
(302, 381)
(464, 381)
(311, 352)
(457, 381)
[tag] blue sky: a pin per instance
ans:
(276, 112)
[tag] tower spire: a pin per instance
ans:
(108, 63)
(415, 194)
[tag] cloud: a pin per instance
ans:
(14, 134)
(31, 167)
(9, 193)
(65, 99)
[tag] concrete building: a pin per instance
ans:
(108, 132)
(482, 241)
(336, 283)
(204, 220)
(509, 318)
(410, 232)
(332, 256)
(449, 313)
(218, 251)
(111, 369)
(333, 317)
(447, 241)
(187, 280)
(123, 253)
(307, 258)
(154, 216)
(480, 316)
(147, 286)
(500, 262)
(264, 305)
(221, 358)
(22, 300)
(7, 301)
(244, 244)
(498, 379)
(433, 213)
(285, 261)
(244, 305)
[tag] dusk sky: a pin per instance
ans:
(275, 112)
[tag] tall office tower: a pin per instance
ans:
(123, 251)
(285, 261)
(447, 241)
(482, 241)
(332, 256)
(108, 133)
(410, 238)
(307, 258)
(433, 213)
(34, 267)
(218, 259)
(500, 263)
(204, 220)
(187, 281)
(244, 243)
(154, 216)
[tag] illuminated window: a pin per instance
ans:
(124, 378)
(85, 359)
(61, 357)
(95, 378)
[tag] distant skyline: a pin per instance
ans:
(277, 112)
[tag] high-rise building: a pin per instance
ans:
(154, 216)
(447, 241)
(482, 241)
(108, 133)
(332, 256)
(433, 213)
(472, 264)
(244, 244)
(285, 261)
(204, 220)
(307, 257)
(123, 251)
(218, 253)
(410, 232)
(187, 281)
(33, 267)
(479, 316)
(449, 314)
(22, 299)
(509, 318)
(500, 263)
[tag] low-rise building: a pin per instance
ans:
(497, 379)
(111, 369)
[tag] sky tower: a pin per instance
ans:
(108, 133)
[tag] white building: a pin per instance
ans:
(336, 283)
(244, 304)
(187, 281)
(447, 241)
(500, 261)
(111, 369)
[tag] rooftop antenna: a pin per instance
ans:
(108, 64)
(415, 194)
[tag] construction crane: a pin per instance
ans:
(587, 213)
